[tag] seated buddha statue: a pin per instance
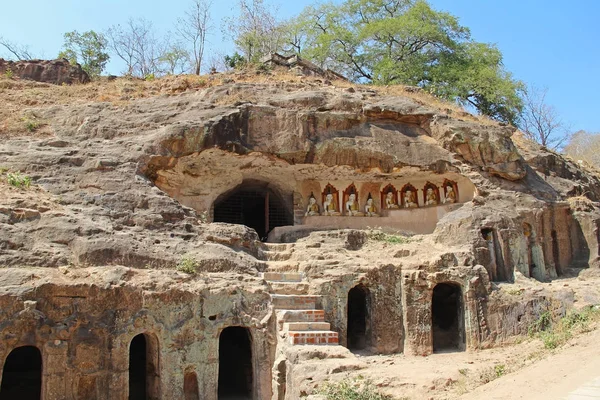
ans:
(390, 201)
(430, 198)
(410, 200)
(370, 210)
(330, 206)
(450, 195)
(352, 208)
(313, 207)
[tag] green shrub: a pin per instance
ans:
(380, 236)
(555, 333)
(31, 125)
(8, 74)
(17, 180)
(351, 390)
(150, 77)
(187, 264)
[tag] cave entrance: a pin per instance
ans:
(235, 364)
(358, 317)
(22, 374)
(255, 205)
(143, 363)
(447, 317)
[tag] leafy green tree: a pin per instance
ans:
(175, 59)
(407, 42)
(88, 49)
(235, 61)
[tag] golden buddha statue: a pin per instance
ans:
(329, 205)
(410, 199)
(313, 207)
(352, 208)
(430, 198)
(450, 195)
(390, 201)
(370, 210)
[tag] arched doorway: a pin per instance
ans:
(447, 317)
(143, 368)
(358, 317)
(22, 374)
(255, 205)
(235, 363)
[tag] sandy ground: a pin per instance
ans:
(553, 377)
(538, 373)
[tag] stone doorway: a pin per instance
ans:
(143, 367)
(447, 318)
(358, 318)
(556, 253)
(254, 205)
(22, 374)
(235, 364)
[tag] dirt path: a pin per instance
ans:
(551, 378)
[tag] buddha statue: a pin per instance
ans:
(390, 201)
(450, 195)
(330, 206)
(313, 207)
(370, 210)
(430, 198)
(410, 200)
(352, 208)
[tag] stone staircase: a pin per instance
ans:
(299, 316)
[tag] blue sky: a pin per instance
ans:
(545, 43)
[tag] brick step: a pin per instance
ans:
(289, 287)
(295, 301)
(283, 276)
(306, 326)
(313, 337)
(300, 316)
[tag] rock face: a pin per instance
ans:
(50, 71)
(145, 217)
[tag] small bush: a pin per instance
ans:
(187, 264)
(351, 390)
(555, 333)
(8, 74)
(499, 369)
(30, 124)
(150, 77)
(380, 236)
(17, 180)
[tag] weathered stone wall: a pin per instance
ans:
(84, 330)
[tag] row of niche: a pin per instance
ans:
(391, 199)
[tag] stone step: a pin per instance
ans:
(282, 266)
(307, 326)
(283, 276)
(289, 287)
(276, 255)
(300, 315)
(295, 301)
(313, 337)
(278, 246)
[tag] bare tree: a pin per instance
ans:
(20, 52)
(540, 121)
(256, 31)
(137, 45)
(193, 29)
(584, 146)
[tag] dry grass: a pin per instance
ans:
(21, 98)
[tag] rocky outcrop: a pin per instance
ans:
(57, 71)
